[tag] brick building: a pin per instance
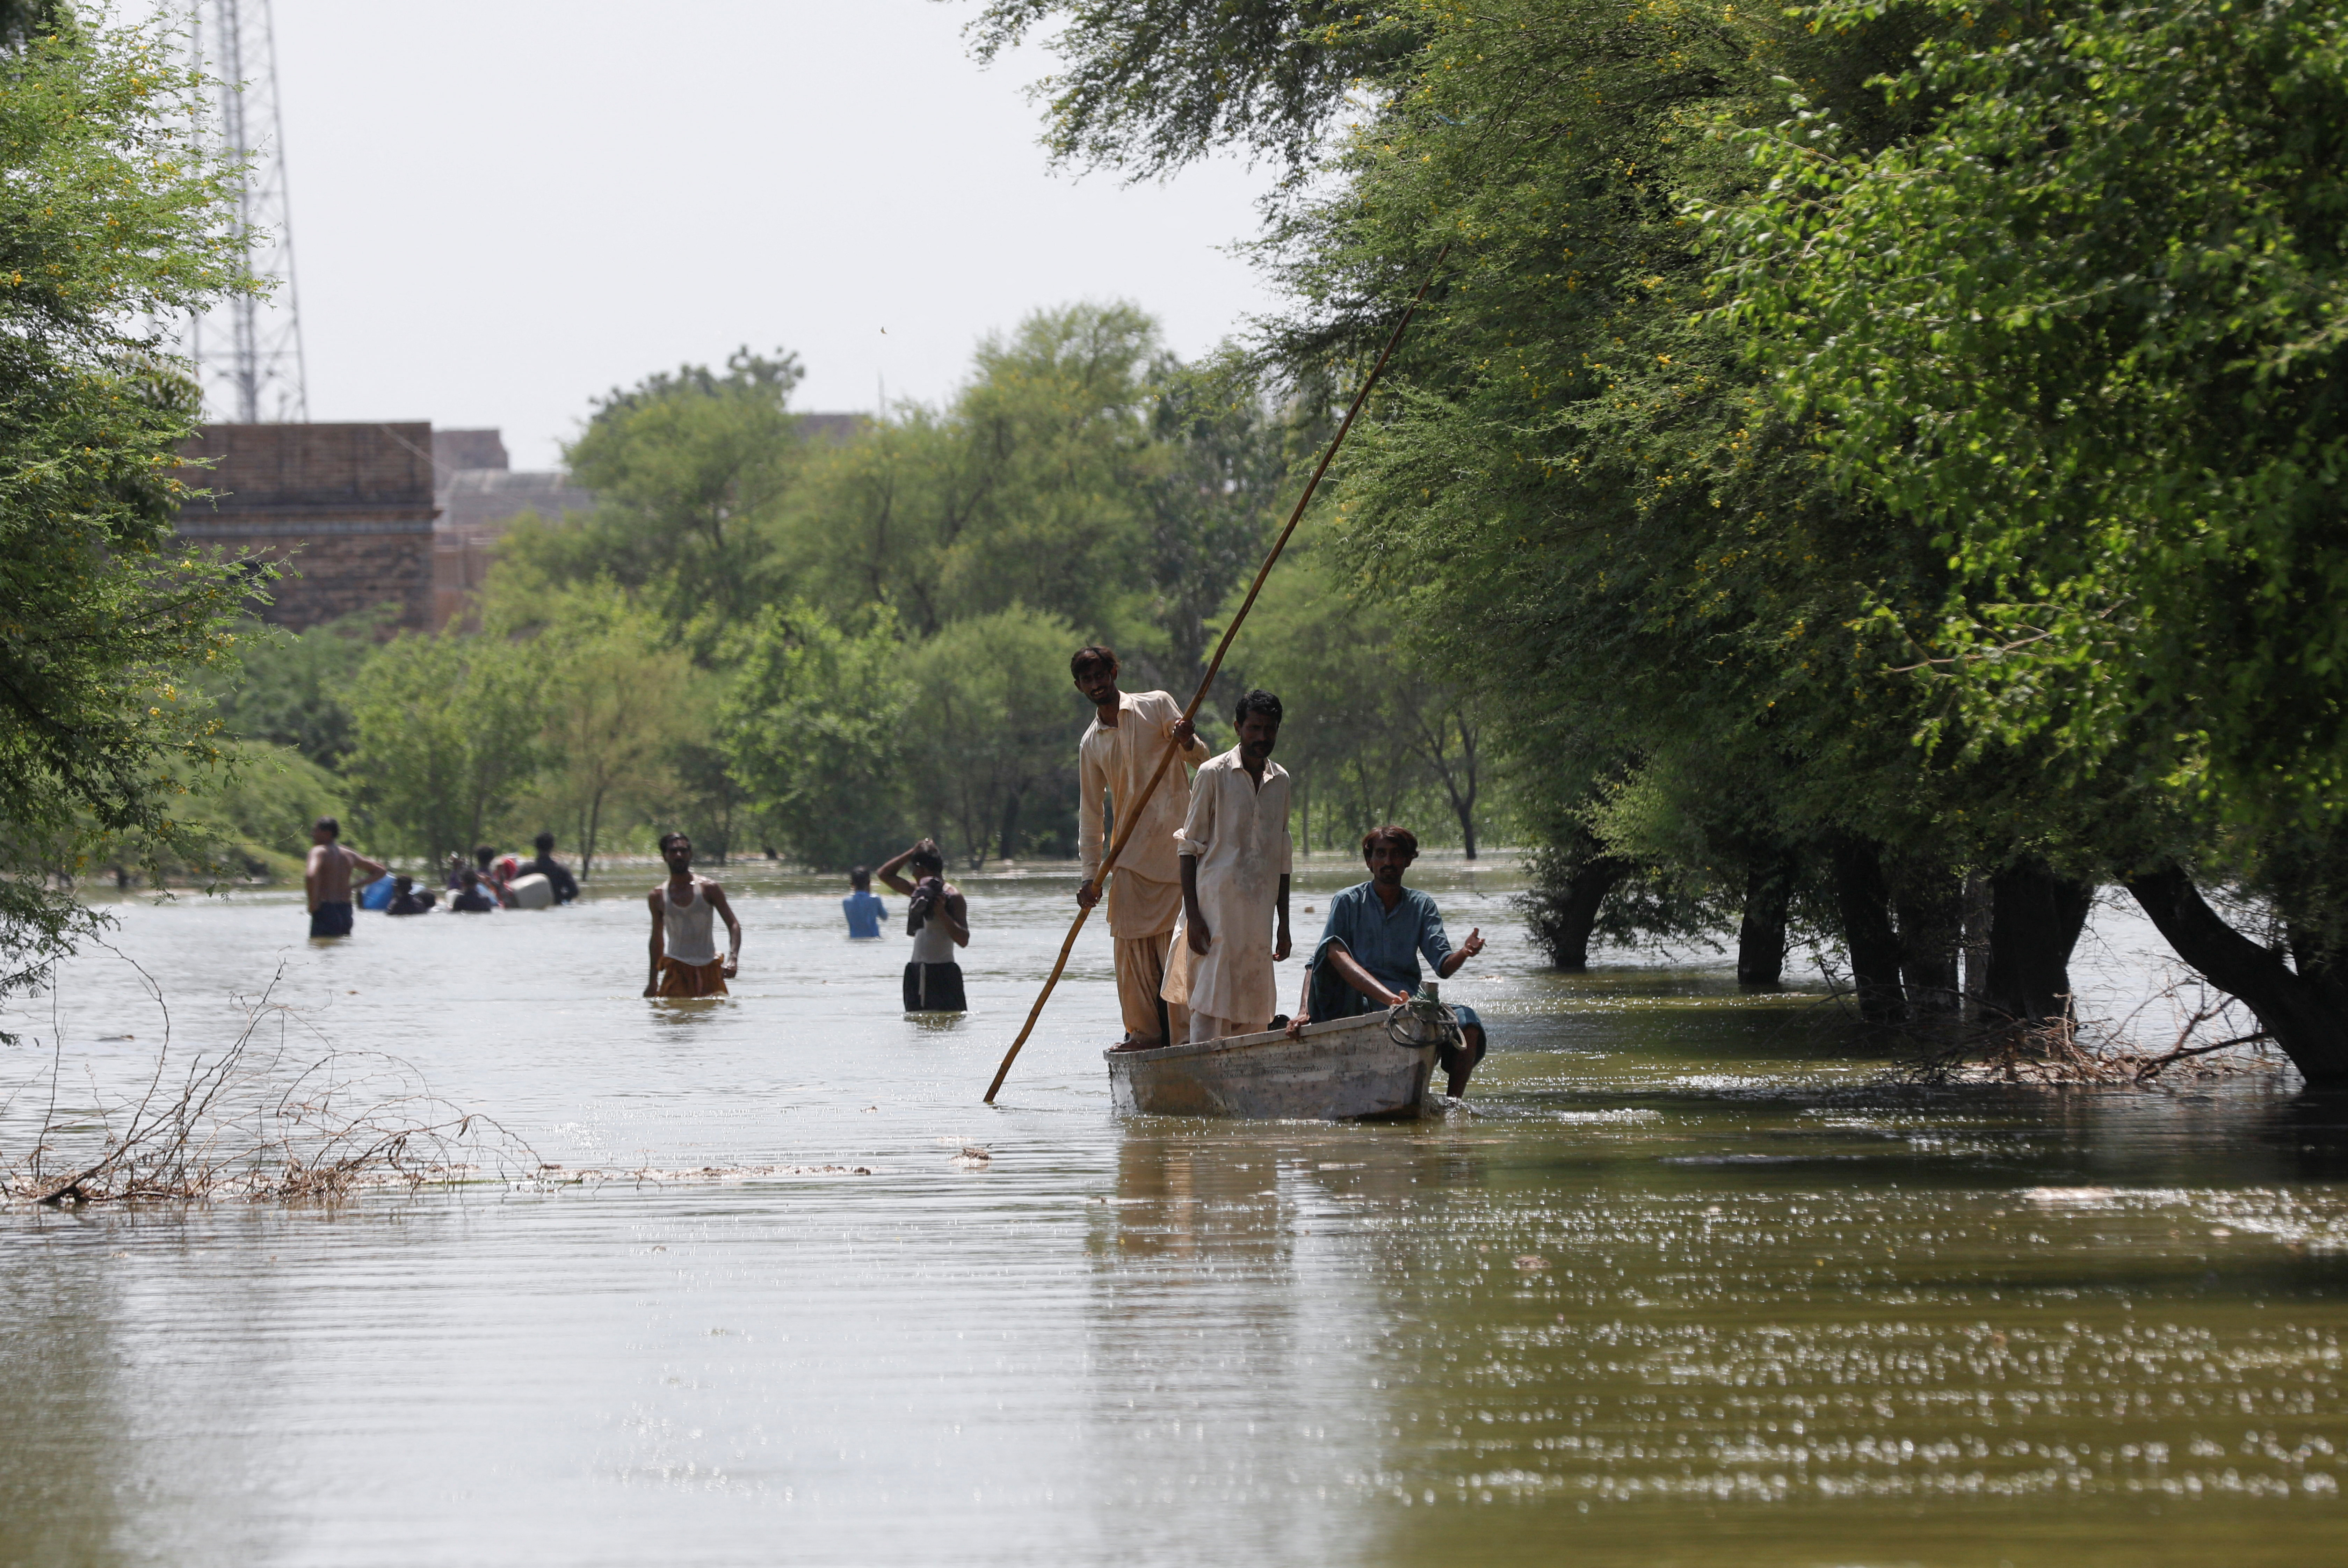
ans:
(481, 496)
(349, 509)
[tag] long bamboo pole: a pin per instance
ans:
(1132, 814)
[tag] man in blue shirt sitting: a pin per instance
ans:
(864, 911)
(1369, 951)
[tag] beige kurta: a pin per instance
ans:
(1145, 896)
(1239, 832)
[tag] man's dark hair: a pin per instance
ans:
(666, 838)
(545, 842)
(1393, 834)
(860, 879)
(1092, 656)
(1257, 701)
(329, 827)
(469, 877)
(402, 883)
(482, 855)
(928, 855)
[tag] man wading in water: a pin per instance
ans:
(327, 878)
(1119, 750)
(1235, 854)
(684, 951)
(938, 920)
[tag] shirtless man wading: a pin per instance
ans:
(327, 878)
(684, 947)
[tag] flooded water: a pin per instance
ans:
(1692, 1286)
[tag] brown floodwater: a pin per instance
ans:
(1693, 1285)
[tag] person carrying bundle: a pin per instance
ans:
(938, 920)
(1120, 749)
(1234, 853)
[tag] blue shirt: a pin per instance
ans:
(1387, 943)
(865, 913)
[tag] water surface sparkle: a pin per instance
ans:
(1692, 1288)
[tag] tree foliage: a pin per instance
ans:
(111, 216)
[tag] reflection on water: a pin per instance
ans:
(1691, 1286)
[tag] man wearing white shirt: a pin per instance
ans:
(1120, 749)
(1235, 853)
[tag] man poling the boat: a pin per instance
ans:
(1370, 947)
(1119, 750)
(1234, 853)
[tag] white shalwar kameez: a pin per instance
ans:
(1238, 832)
(1144, 894)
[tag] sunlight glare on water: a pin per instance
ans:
(1691, 1286)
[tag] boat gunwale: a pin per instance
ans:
(1235, 1042)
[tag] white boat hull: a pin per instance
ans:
(1341, 1071)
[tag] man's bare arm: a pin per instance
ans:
(955, 913)
(652, 983)
(888, 872)
(1280, 950)
(310, 876)
(1461, 954)
(716, 897)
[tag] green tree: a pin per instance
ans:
(292, 688)
(2084, 338)
(688, 469)
(990, 762)
(616, 705)
(111, 216)
(815, 721)
(1028, 489)
(448, 737)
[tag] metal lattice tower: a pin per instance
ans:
(248, 351)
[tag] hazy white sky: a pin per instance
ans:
(502, 207)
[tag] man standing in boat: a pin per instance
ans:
(1369, 952)
(1234, 854)
(684, 947)
(1120, 749)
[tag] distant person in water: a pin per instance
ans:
(566, 886)
(938, 920)
(456, 877)
(1234, 851)
(326, 880)
(863, 908)
(1120, 751)
(493, 876)
(1368, 957)
(684, 961)
(472, 895)
(406, 898)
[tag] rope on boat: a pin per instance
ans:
(1424, 1012)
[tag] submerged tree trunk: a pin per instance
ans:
(2035, 918)
(1761, 933)
(2307, 1013)
(1565, 911)
(1930, 905)
(1863, 901)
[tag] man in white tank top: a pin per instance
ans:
(938, 919)
(684, 911)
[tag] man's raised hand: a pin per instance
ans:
(1474, 944)
(1185, 734)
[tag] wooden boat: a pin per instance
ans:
(1341, 1071)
